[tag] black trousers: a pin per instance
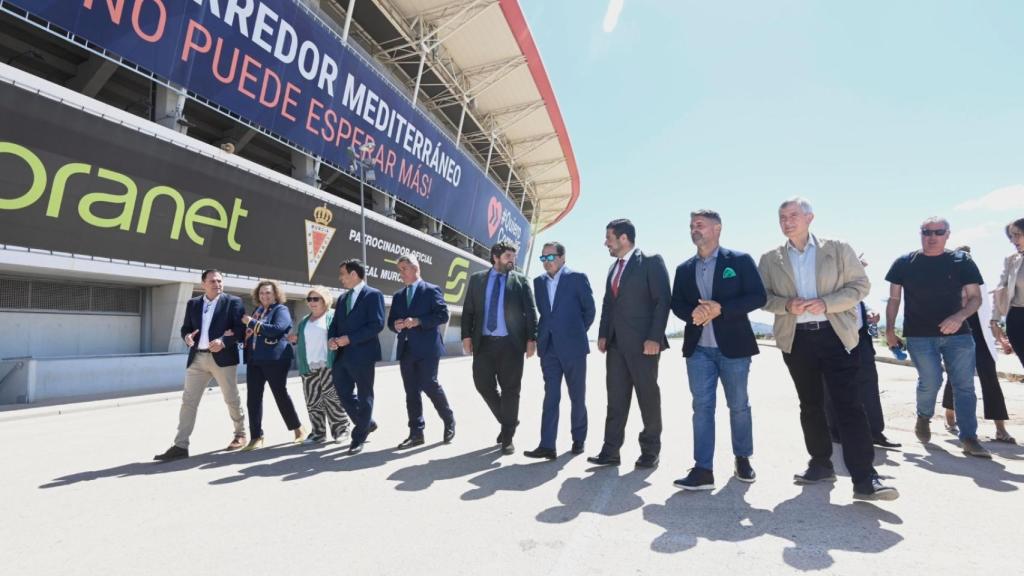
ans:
(867, 383)
(498, 376)
(420, 376)
(628, 371)
(1015, 331)
(985, 366)
(276, 374)
(819, 360)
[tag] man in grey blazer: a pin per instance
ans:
(499, 327)
(637, 301)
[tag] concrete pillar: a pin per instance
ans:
(305, 168)
(167, 312)
(384, 204)
(169, 110)
(434, 227)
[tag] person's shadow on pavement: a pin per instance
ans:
(207, 460)
(604, 492)
(815, 526)
(422, 476)
(988, 474)
(515, 478)
(724, 515)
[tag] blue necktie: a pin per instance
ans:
(492, 311)
(409, 292)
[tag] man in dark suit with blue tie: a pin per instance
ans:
(713, 292)
(211, 329)
(354, 335)
(418, 313)
(499, 327)
(566, 305)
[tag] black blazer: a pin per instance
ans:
(640, 311)
(226, 316)
(737, 287)
(520, 312)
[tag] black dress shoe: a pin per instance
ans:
(410, 442)
(603, 459)
(547, 453)
(884, 442)
(577, 447)
(508, 449)
(647, 461)
(355, 448)
(697, 479)
(172, 453)
(744, 471)
(815, 473)
(449, 433)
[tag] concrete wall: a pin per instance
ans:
(45, 334)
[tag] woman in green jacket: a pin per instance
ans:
(315, 361)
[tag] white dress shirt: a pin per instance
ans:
(209, 307)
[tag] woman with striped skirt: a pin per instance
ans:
(315, 361)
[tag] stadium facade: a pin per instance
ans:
(143, 141)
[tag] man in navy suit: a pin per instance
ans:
(212, 325)
(353, 335)
(566, 305)
(418, 313)
(713, 293)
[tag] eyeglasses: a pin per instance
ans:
(314, 299)
(548, 257)
(927, 232)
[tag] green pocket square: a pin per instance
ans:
(728, 273)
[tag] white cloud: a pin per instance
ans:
(974, 234)
(611, 17)
(998, 200)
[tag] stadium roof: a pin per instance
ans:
(475, 66)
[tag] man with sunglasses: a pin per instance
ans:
(566, 305)
(943, 291)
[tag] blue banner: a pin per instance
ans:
(274, 63)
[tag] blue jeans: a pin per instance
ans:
(957, 353)
(703, 369)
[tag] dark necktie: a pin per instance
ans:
(348, 302)
(492, 311)
(409, 293)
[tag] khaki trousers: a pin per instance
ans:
(197, 377)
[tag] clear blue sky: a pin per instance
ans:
(880, 113)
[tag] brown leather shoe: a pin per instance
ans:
(237, 443)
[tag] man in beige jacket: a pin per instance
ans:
(814, 286)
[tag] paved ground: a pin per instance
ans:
(79, 495)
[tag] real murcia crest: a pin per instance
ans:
(318, 237)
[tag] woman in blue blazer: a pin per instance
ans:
(268, 356)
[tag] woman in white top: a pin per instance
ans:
(1009, 295)
(315, 361)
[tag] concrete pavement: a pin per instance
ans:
(80, 495)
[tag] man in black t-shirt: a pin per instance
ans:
(935, 281)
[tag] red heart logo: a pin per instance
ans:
(493, 216)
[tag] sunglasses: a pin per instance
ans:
(926, 232)
(314, 299)
(548, 257)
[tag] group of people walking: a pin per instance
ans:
(814, 287)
